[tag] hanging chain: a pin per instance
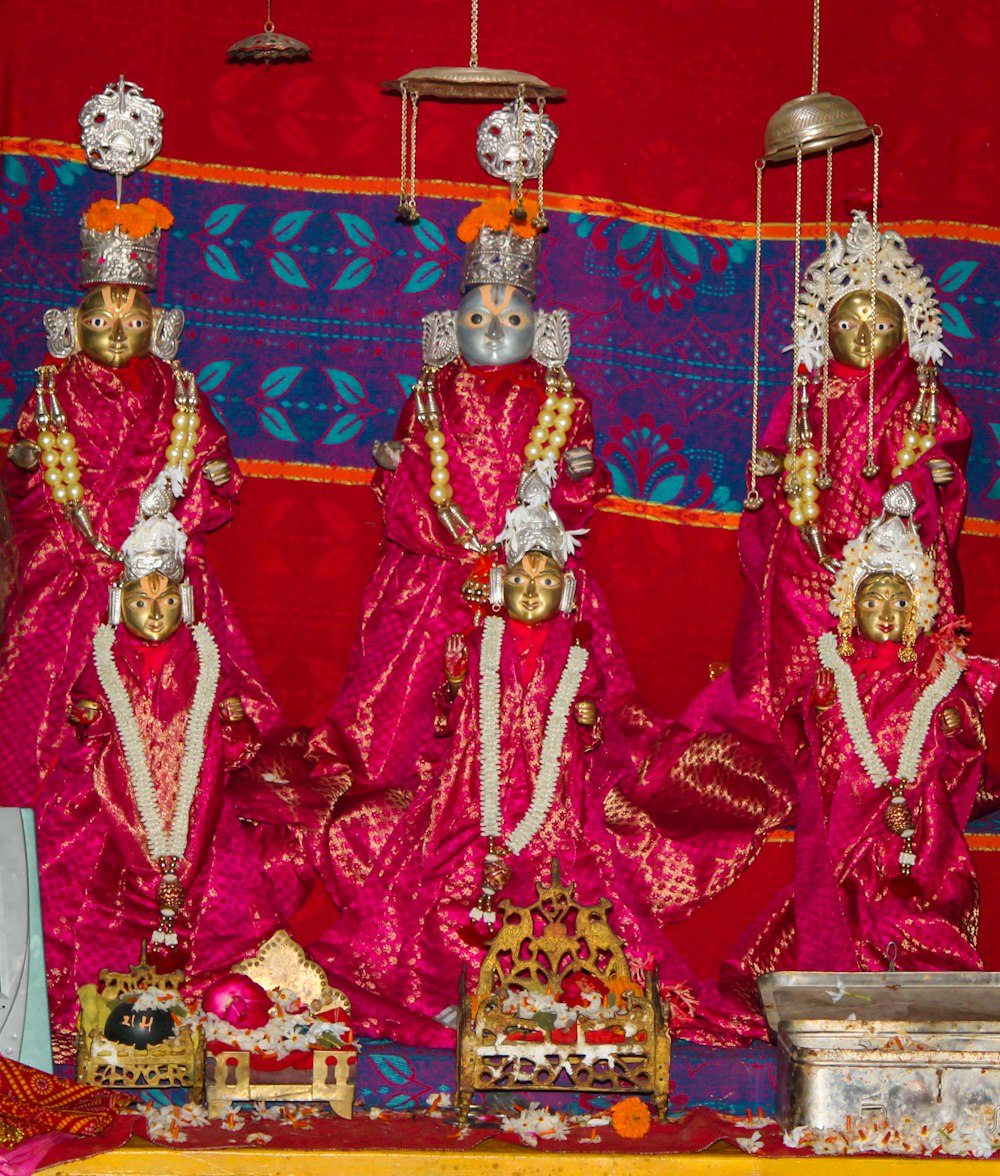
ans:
(815, 73)
(753, 500)
(519, 212)
(474, 36)
(870, 469)
(793, 423)
(540, 221)
(823, 479)
(414, 215)
(404, 207)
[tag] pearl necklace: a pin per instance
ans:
(898, 817)
(544, 791)
(165, 850)
(61, 461)
(805, 471)
(548, 436)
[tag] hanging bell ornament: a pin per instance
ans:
(898, 818)
(170, 899)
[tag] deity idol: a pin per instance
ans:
(493, 396)
(866, 411)
(883, 874)
(534, 764)
(110, 413)
(136, 841)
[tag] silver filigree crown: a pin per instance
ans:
(847, 267)
(890, 545)
(117, 259)
(501, 258)
(121, 129)
(533, 525)
(157, 542)
(497, 143)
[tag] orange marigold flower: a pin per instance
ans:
(135, 220)
(163, 218)
(630, 1118)
(496, 214)
(101, 216)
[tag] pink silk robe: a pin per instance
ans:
(122, 423)
(382, 722)
(840, 914)
(656, 849)
(98, 883)
(786, 606)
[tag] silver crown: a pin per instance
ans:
(501, 258)
(533, 525)
(157, 542)
(118, 259)
(891, 545)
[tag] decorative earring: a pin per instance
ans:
(568, 594)
(114, 605)
(844, 627)
(496, 586)
(906, 651)
(187, 602)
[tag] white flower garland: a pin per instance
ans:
(489, 739)
(920, 719)
(158, 843)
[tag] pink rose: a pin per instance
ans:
(238, 1000)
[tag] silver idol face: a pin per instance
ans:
(495, 325)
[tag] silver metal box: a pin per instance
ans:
(886, 1046)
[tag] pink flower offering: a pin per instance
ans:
(238, 1000)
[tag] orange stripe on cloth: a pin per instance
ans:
(658, 512)
(597, 206)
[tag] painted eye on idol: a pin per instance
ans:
(475, 319)
(515, 320)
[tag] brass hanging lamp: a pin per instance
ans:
(529, 135)
(268, 47)
(813, 124)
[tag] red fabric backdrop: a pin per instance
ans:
(667, 101)
(667, 107)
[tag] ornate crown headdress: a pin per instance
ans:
(120, 243)
(847, 267)
(499, 250)
(534, 526)
(121, 132)
(889, 545)
(156, 544)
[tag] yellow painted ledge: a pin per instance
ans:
(497, 1158)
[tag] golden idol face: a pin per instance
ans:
(856, 333)
(115, 325)
(882, 606)
(532, 589)
(495, 326)
(151, 607)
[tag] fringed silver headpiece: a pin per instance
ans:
(897, 276)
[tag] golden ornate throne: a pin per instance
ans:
(509, 1032)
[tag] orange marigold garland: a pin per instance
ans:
(631, 1118)
(135, 220)
(495, 213)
